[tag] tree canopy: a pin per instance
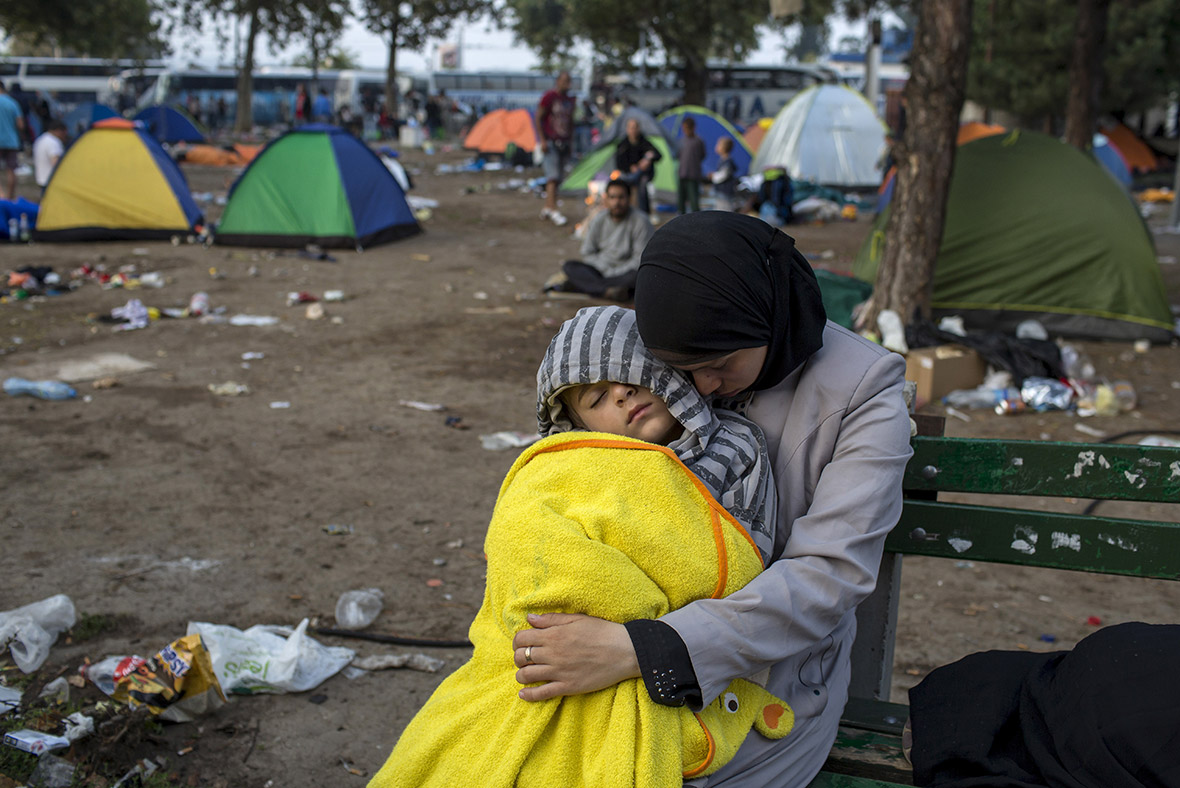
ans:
(95, 28)
(1021, 54)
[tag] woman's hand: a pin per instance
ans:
(573, 654)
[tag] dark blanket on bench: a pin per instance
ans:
(1106, 714)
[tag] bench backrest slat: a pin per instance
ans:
(1107, 471)
(1030, 538)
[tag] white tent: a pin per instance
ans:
(828, 134)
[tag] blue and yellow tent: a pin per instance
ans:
(116, 183)
(168, 124)
(710, 127)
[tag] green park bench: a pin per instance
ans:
(867, 753)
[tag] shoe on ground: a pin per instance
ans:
(555, 283)
(558, 218)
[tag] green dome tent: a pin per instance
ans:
(1036, 229)
(600, 161)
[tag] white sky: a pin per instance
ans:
(484, 48)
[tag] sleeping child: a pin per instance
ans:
(639, 500)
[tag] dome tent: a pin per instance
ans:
(1037, 229)
(168, 124)
(116, 183)
(316, 184)
(494, 131)
(710, 127)
(828, 134)
(599, 162)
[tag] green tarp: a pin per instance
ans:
(1036, 229)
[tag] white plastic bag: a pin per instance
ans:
(267, 658)
(29, 631)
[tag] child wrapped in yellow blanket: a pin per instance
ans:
(615, 526)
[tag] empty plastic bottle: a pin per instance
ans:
(24, 228)
(13, 230)
(981, 397)
(358, 609)
(42, 389)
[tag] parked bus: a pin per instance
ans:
(69, 81)
(740, 93)
(484, 91)
(273, 97)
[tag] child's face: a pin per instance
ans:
(622, 409)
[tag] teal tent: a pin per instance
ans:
(1037, 229)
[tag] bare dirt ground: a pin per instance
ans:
(105, 497)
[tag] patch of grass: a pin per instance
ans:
(15, 764)
(91, 625)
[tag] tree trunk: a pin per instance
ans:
(391, 97)
(934, 97)
(1085, 72)
(244, 120)
(696, 80)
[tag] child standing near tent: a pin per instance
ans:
(585, 522)
(724, 178)
(691, 153)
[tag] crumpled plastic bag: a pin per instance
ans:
(29, 631)
(269, 659)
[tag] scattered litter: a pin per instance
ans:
(953, 325)
(78, 726)
(422, 258)
(41, 389)
(1159, 440)
(1045, 598)
(53, 772)
(1142, 345)
(97, 366)
(957, 414)
(348, 767)
(480, 296)
(455, 544)
(357, 609)
(333, 295)
(252, 355)
(105, 383)
(1047, 638)
(1088, 430)
(508, 440)
(9, 699)
(1093, 621)
(419, 661)
(488, 310)
(56, 691)
(1031, 329)
(133, 314)
(140, 251)
(177, 684)
(267, 658)
(253, 320)
(29, 631)
(135, 776)
(229, 388)
(198, 305)
(337, 529)
(151, 279)
(314, 312)
(418, 405)
(35, 742)
(302, 297)
(456, 423)
(434, 582)
(280, 405)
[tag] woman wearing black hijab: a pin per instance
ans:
(729, 299)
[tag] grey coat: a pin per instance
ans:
(838, 435)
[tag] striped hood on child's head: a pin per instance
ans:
(726, 451)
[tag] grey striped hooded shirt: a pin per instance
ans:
(727, 452)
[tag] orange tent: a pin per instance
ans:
(493, 132)
(1135, 151)
(238, 156)
(755, 132)
(976, 130)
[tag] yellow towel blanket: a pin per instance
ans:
(615, 528)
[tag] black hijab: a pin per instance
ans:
(714, 282)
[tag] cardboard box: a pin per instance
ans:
(942, 369)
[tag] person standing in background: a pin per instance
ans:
(691, 154)
(555, 130)
(12, 127)
(47, 150)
